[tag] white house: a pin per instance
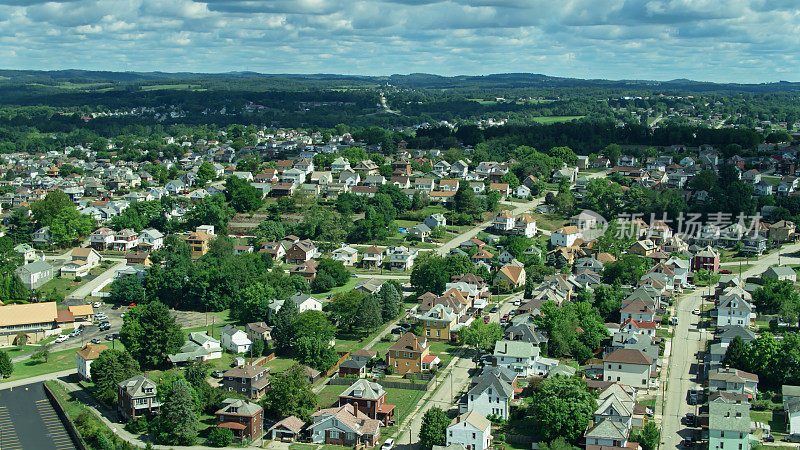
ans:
(565, 236)
(471, 430)
(732, 309)
(234, 339)
(151, 239)
(627, 366)
(522, 357)
(199, 347)
(86, 356)
(490, 396)
(306, 302)
(728, 421)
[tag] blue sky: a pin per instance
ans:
(712, 40)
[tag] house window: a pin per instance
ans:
(349, 436)
(333, 434)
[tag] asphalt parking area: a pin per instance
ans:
(28, 421)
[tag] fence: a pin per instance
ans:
(70, 427)
(421, 386)
(343, 356)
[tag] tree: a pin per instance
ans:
(69, 226)
(283, 330)
(369, 313)
(220, 437)
(480, 335)
(150, 333)
(45, 210)
(648, 437)
(465, 201)
(127, 290)
(335, 269)
(561, 407)
(206, 172)
(110, 368)
(322, 283)
(390, 301)
(343, 309)
(627, 270)
(42, 354)
(6, 367)
(290, 395)
(242, 195)
(434, 428)
(315, 352)
(178, 422)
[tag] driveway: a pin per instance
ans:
(85, 290)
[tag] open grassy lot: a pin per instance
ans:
(775, 419)
(549, 222)
(328, 395)
(58, 361)
(64, 286)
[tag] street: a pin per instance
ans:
(686, 342)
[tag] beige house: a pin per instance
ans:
(515, 275)
(82, 260)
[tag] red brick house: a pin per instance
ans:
(370, 398)
(301, 252)
(245, 419)
(136, 397)
(707, 259)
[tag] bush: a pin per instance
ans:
(762, 405)
(220, 437)
(137, 426)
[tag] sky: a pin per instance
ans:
(749, 41)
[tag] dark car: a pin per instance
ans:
(688, 442)
(217, 373)
(690, 419)
(109, 337)
(493, 310)
(769, 438)
(96, 341)
(115, 335)
(115, 307)
(398, 330)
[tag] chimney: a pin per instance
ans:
(505, 347)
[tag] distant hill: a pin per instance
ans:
(414, 80)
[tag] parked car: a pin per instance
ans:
(96, 341)
(61, 338)
(217, 373)
(769, 438)
(97, 305)
(398, 330)
(493, 310)
(486, 319)
(696, 311)
(725, 272)
(109, 337)
(690, 419)
(388, 445)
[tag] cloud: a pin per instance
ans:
(652, 39)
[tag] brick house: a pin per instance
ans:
(707, 259)
(136, 397)
(301, 252)
(244, 419)
(370, 398)
(409, 354)
(251, 381)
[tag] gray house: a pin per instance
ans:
(33, 275)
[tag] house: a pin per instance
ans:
(234, 339)
(565, 236)
(522, 191)
(85, 356)
(199, 347)
(151, 240)
(250, 381)
(606, 433)
(258, 331)
(305, 302)
(522, 357)
(140, 258)
(781, 231)
(339, 165)
(503, 188)
(369, 398)
(125, 240)
(780, 273)
(81, 313)
(136, 397)
(420, 231)
(372, 258)
(438, 322)
(627, 366)
(42, 237)
(410, 354)
(732, 309)
(346, 254)
(101, 238)
(198, 241)
(639, 310)
(288, 429)
(707, 259)
(470, 430)
(344, 425)
(733, 380)
(728, 421)
(244, 419)
(514, 275)
(490, 396)
(33, 275)
(400, 258)
(435, 220)
(301, 252)
(82, 260)
(791, 405)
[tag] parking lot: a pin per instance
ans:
(28, 421)
(91, 330)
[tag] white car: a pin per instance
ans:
(97, 305)
(61, 338)
(388, 445)
(696, 311)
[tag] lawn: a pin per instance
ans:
(328, 395)
(556, 119)
(549, 222)
(58, 361)
(444, 350)
(775, 419)
(404, 400)
(64, 286)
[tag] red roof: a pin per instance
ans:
(429, 358)
(385, 408)
(232, 425)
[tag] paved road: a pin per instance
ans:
(28, 421)
(686, 342)
(85, 290)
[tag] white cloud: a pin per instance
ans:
(656, 39)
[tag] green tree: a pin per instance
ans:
(242, 195)
(6, 367)
(434, 428)
(45, 210)
(315, 352)
(290, 395)
(110, 368)
(335, 269)
(178, 422)
(465, 201)
(369, 313)
(561, 407)
(150, 333)
(343, 309)
(322, 283)
(648, 437)
(220, 437)
(206, 173)
(390, 301)
(283, 330)
(127, 290)
(42, 354)
(627, 270)
(69, 226)
(480, 335)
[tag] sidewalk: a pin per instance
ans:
(37, 379)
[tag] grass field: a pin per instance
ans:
(64, 286)
(58, 361)
(328, 395)
(549, 222)
(775, 419)
(556, 119)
